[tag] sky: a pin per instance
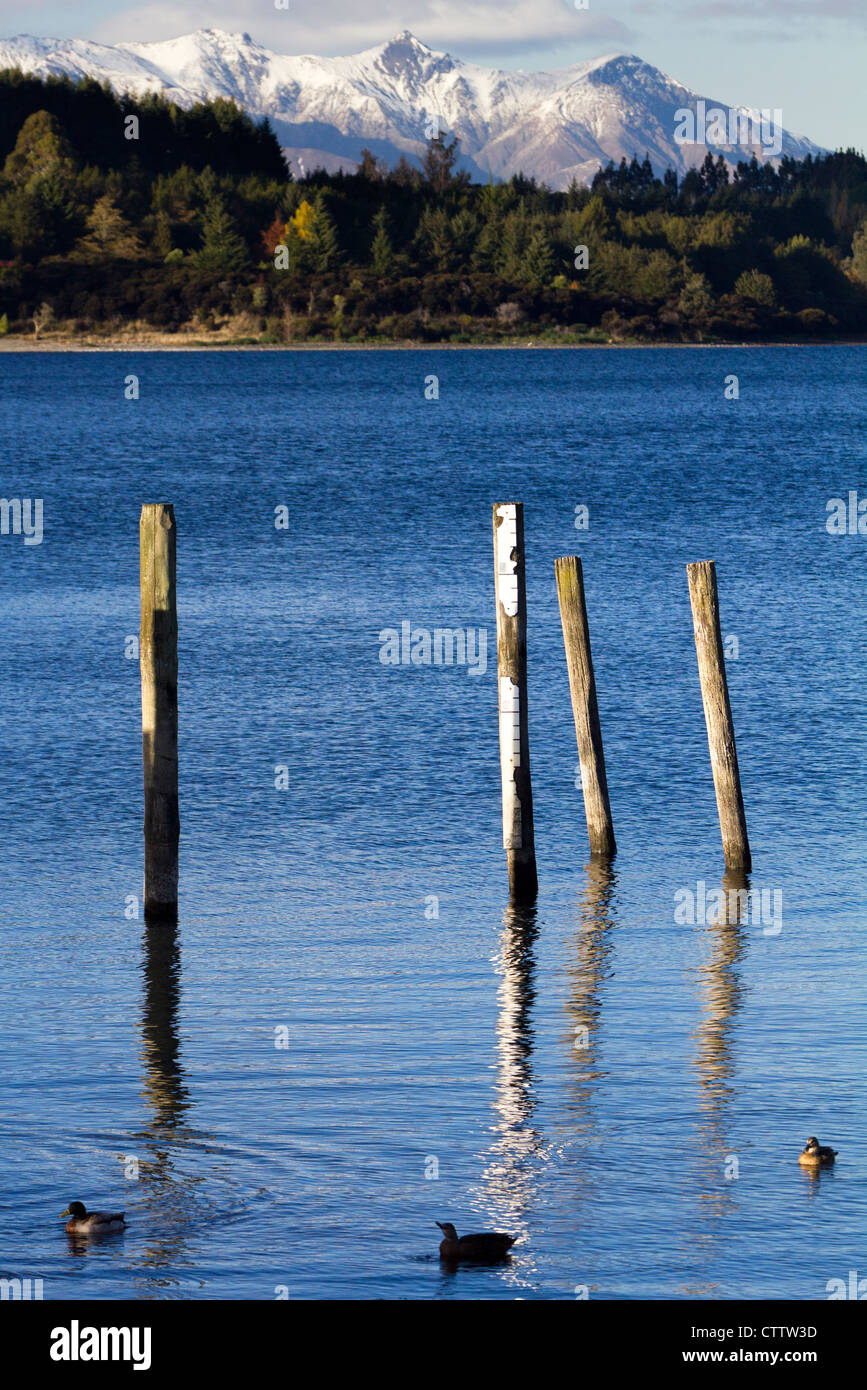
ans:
(806, 57)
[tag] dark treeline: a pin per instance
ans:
(129, 213)
(92, 118)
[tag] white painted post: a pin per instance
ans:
(511, 602)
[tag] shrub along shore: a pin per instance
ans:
(131, 222)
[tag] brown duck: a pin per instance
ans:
(816, 1155)
(91, 1223)
(482, 1246)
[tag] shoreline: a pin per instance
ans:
(11, 345)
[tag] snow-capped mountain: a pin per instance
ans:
(553, 125)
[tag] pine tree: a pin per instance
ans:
(40, 150)
(381, 251)
(326, 246)
(513, 244)
(537, 264)
(223, 248)
(859, 252)
(434, 235)
(161, 240)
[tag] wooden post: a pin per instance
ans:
(159, 709)
(511, 603)
(582, 684)
(717, 713)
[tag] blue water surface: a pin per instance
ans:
(351, 1035)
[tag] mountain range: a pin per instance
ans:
(555, 126)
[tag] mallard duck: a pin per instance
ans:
(89, 1223)
(483, 1245)
(816, 1155)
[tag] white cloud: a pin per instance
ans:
(331, 27)
(780, 19)
(485, 27)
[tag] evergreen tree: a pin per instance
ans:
(434, 236)
(463, 229)
(223, 249)
(487, 248)
(161, 240)
(326, 248)
(537, 264)
(859, 252)
(41, 150)
(381, 251)
(513, 244)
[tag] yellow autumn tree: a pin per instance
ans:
(309, 242)
(109, 235)
(293, 250)
(303, 220)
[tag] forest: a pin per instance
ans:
(125, 217)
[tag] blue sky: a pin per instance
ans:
(807, 57)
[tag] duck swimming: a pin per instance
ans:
(481, 1246)
(89, 1223)
(816, 1155)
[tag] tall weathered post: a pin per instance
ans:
(511, 601)
(718, 714)
(582, 684)
(159, 708)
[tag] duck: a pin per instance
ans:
(481, 1246)
(816, 1155)
(89, 1223)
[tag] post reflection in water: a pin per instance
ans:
(161, 1052)
(721, 991)
(593, 952)
(510, 1177)
(166, 1193)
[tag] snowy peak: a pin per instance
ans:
(555, 126)
(404, 47)
(407, 62)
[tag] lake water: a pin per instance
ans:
(625, 1093)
